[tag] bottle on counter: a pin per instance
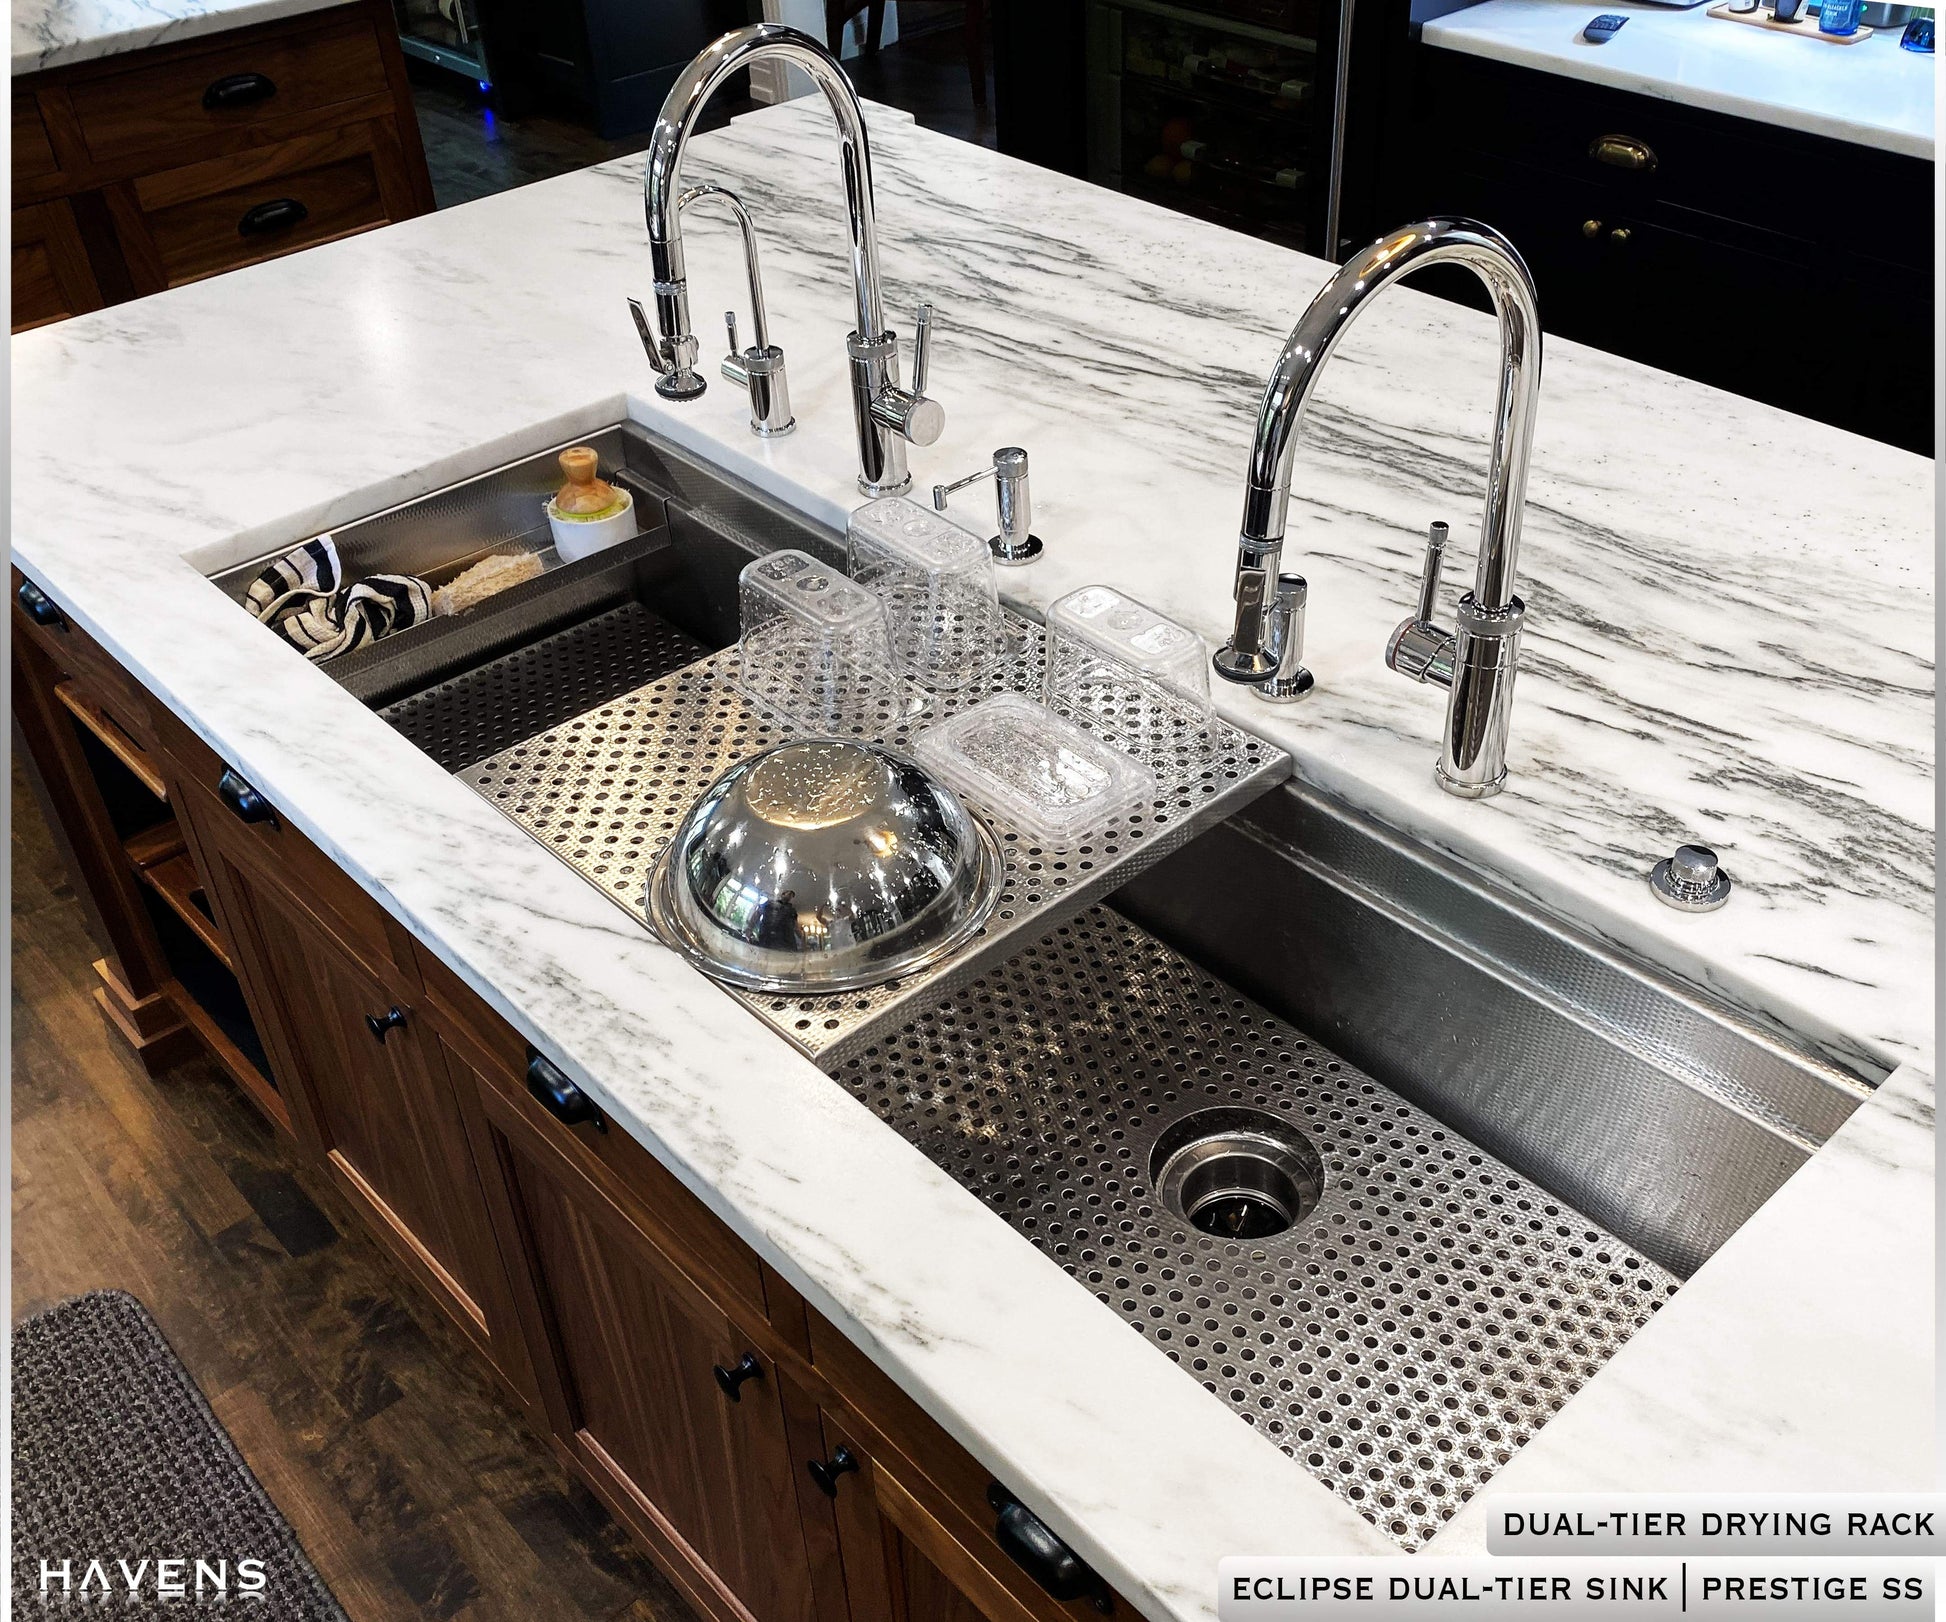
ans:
(1838, 17)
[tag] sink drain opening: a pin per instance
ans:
(1237, 1173)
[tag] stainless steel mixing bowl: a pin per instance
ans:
(824, 865)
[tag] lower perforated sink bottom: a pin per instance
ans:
(1402, 1340)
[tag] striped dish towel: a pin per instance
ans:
(302, 597)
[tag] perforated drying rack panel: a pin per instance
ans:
(607, 790)
(1401, 1342)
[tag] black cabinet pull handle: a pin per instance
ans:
(559, 1096)
(383, 1025)
(245, 801)
(238, 90)
(731, 1380)
(1039, 1553)
(280, 214)
(825, 1472)
(41, 608)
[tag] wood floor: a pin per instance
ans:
(415, 1492)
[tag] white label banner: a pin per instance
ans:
(1881, 1525)
(1284, 1588)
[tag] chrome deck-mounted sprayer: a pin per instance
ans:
(1476, 659)
(888, 415)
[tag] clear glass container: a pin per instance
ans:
(1131, 676)
(936, 581)
(814, 648)
(1041, 775)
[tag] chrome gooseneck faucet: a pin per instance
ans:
(1476, 659)
(888, 416)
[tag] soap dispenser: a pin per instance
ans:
(588, 513)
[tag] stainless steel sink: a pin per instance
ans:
(1394, 1178)
(1387, 1302)
(1656, 1110)
(1387, 1158)
(465, 687)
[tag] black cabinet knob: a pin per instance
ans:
(1039, 1553)
(238, 90)
(825, 1472)
(559, 1096)
(731, 1380)
(279, 214)
(383, 1025)
(236, 792)
(40, 608)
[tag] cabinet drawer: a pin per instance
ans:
(225, 212)
(208, 97)
(1712, 169)
(673, 1219)
(33, 155)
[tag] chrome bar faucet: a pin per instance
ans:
(758, 370)
(1476, 659)
(888, 416)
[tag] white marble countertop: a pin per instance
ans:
(54, 33)
(1872, 92)
(1730, 639)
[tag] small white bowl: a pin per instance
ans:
(582, 537)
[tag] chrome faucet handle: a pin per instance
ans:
(651, 344)
(1420, 647)
(1246, 657)
(1015, 543)
(1435, 561)
(908, 412)
(674, 359)
(921, 347)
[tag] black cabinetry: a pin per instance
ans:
(611, 61)
(1789, 268)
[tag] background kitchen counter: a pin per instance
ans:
(1730, 639)
(54, 33)
(1872, 92)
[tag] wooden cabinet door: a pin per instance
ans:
(381, 1106)
(629, 1372)
(52, 278)
(377, 1105)
(901, 1564)
(917, 1545)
